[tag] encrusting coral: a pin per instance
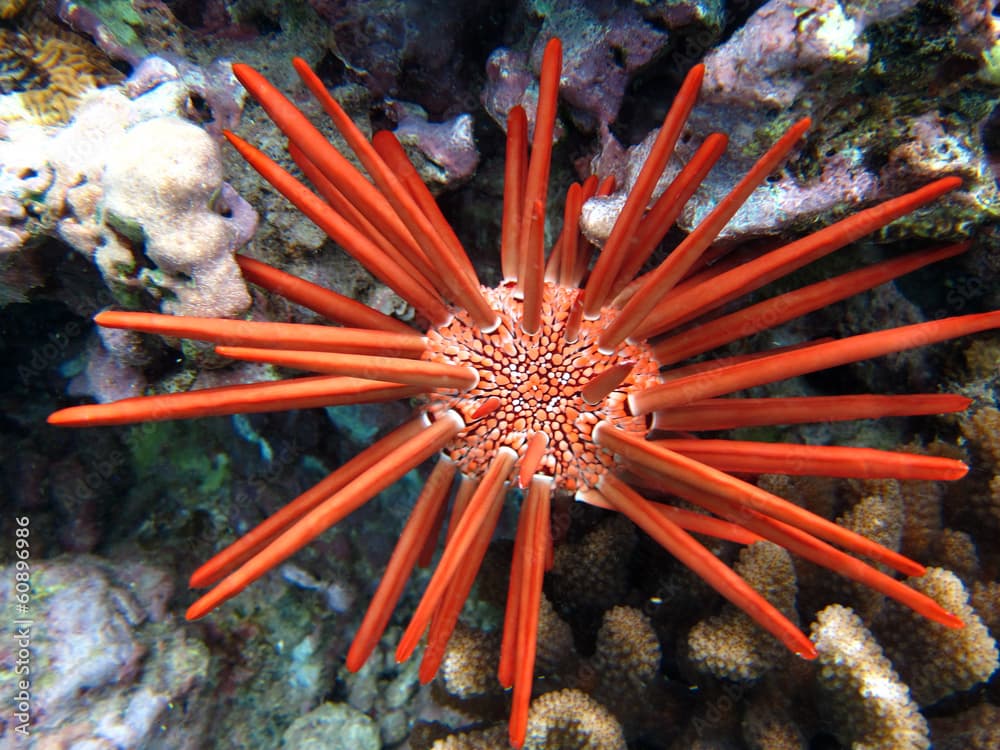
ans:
(162, 207)
(136, 187)
(792, 58)
(545, 382)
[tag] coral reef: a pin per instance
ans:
(467, 667)
(735, 664)
(591, 572)
(10, 8)
(977, 728)
(445, 152)
(170, 203)
(116, 27)
(935, 663)
(403, 50)
(728, 645)
(616, 677)
(333, 727)
(794, 58)
(599, 49)
(570, 720)
(625, 663)
(899, 91)
(606, 47)
(560, 720)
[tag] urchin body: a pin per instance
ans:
(534, 384)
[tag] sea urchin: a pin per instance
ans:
(550, 381)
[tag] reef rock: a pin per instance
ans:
(792, 60)
(105, 665)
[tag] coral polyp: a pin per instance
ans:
(553, 380)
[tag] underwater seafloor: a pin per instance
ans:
(116, 189)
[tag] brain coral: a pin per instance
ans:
(45, 70)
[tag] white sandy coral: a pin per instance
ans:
(166, 192)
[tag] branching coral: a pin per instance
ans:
(625, 666)
(985, 597)
(480, 739)
(978, 728)
(868, 705)
(560, 720)
(878, 516)
(728, 645)
(769, 722)
(468, 666)
(936, 662)
(627, 654)
(571, 720)
(620, 676)
(982, 429)
(591, 572)
(556, 650)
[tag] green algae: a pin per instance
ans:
(120, 18)
(182, 467)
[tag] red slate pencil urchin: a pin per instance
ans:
(549, 382)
